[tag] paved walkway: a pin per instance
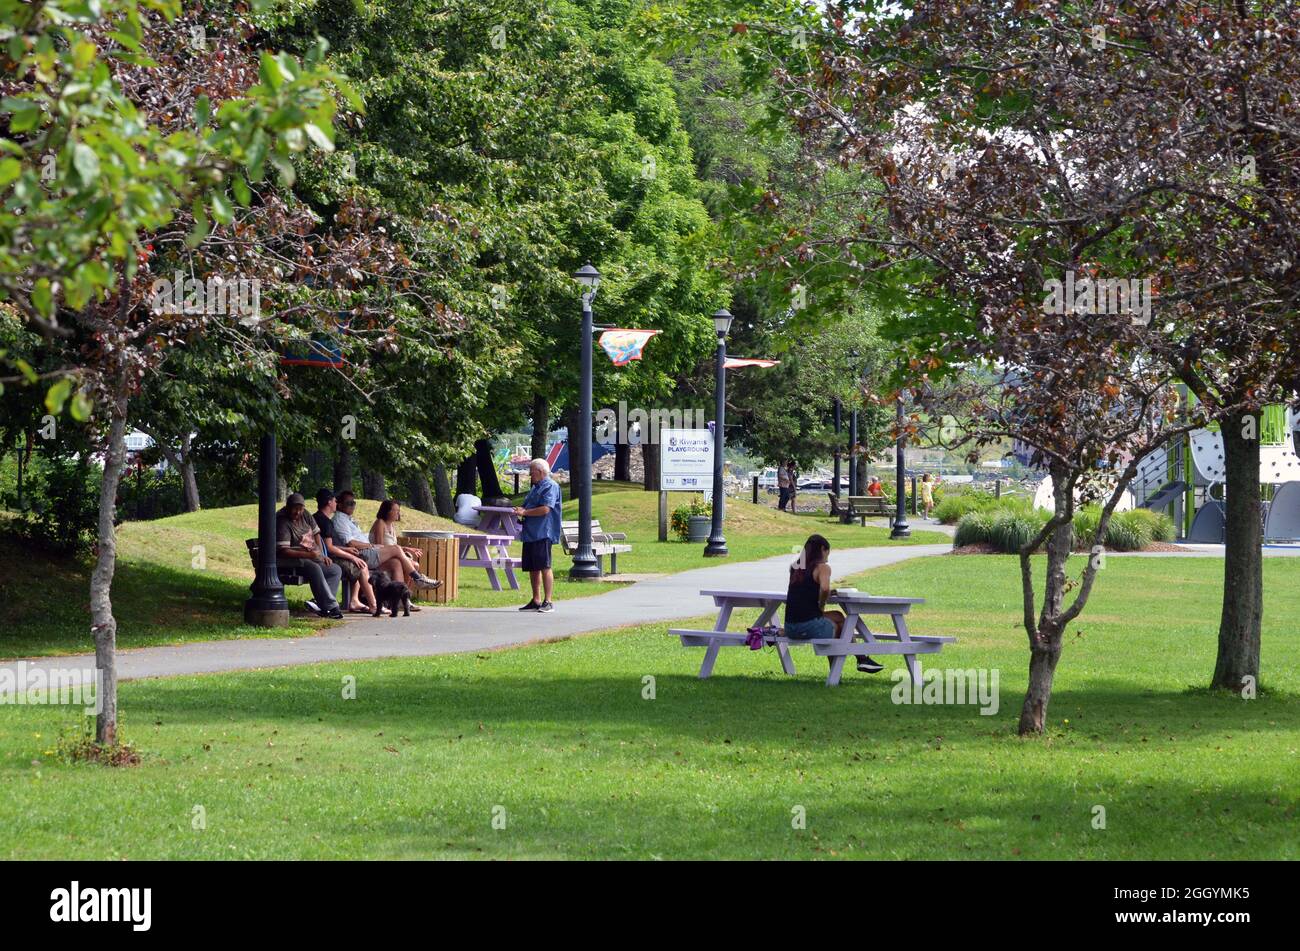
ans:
(452, 630)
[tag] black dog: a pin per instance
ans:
(389, 593)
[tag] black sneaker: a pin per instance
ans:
(546, 607)
(531, 606)
(868, 666)
(334, 614)
(313, 607)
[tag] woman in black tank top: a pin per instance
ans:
(806, 617)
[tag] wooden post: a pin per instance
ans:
(663, 516)
(755, 490)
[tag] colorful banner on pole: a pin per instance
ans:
(623, 345)
(735, 363)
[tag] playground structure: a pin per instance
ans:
(1186, 478)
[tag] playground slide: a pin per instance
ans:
(1165, 496)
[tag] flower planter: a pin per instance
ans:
(700, 526)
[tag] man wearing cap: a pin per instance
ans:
(298, 546)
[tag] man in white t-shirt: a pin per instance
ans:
(782, 486)
(465, 514)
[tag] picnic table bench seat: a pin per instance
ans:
(602, 543)
(855, 636)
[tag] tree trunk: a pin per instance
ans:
(1045, 631)
(103, 625)
(487, 470)
(541, 426)
(623, 462)
(372, 485)
(188, 478)
(1043, 658)
(1243, 565)
(467, 477)
(342, 467)
(861, 462)
(281, 483)
(442, 501)
(421, 494)
(650, 462)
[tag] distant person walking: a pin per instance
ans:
(794, 483)
(927, 495)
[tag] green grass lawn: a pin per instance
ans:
(557, 739)
(160, 597)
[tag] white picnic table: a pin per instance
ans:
(856, 606)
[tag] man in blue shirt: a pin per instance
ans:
(541, 515)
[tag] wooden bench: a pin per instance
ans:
(602, 543)
(862, 506)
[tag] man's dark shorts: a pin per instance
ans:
(537, 555)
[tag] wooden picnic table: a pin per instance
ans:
(856, 606)
(490, 552)
(499, 520)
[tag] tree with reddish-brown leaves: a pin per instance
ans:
(1014, 146)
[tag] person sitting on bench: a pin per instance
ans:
(298, 546)
(806, 617)
(356, 573)
(391, 558)
(384, 534)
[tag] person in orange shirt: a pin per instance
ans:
(874, 487)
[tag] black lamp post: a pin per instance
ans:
(854, 487)
(835, 485)
(585, 565)
(901, 529)
(717, 545)
(267, 607)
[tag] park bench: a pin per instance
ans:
(602, 543)
(291, 575)
(855, 605)
(862, 506)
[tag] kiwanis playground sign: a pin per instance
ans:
(685, 459)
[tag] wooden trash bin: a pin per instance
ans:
(440, 558)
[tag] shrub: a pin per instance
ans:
(952, 509)
(972, 529)
(64, 506)
(1130, 531)
(1086, 521)
(680, 521)
(1011, 531)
